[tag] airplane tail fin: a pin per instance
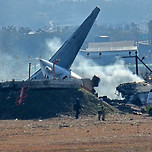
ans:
(71, 47)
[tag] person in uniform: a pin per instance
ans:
(101, 110)
(77, 108)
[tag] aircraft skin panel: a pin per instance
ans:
(37, 75)
(68, 51)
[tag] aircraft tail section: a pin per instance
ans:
(70, 48)
(68, 51)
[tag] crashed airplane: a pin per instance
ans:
(59, 65)
(54, 73)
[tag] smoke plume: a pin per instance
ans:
(52, 46)
(13, 67)
(110, 76)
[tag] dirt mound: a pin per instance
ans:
(47, 103)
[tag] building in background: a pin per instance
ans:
(104, 52)
(107, 53)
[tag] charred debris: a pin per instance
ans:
(134, 92)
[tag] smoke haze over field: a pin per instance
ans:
(53, 45)
(13, 68)
(111, 76)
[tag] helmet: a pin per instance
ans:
(101, 99)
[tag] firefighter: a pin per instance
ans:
(101, 110)
(77, 108)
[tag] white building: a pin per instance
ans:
(105, 53)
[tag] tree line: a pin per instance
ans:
(23, 41)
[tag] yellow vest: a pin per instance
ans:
(99, 107)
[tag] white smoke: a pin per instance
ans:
(13, 67)
(110, 76)
(16, 65)
(52, 45)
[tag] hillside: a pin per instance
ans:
(42, 104)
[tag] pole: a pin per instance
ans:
(136, 58)
(144, 64)
(53, 70)
(29, 70)
(55, 62)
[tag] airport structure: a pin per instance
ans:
(145, 48)
(106, 53)
(134, 54)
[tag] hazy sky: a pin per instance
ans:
(38, 13)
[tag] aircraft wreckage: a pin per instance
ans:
(55, 73)
(134, 92)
